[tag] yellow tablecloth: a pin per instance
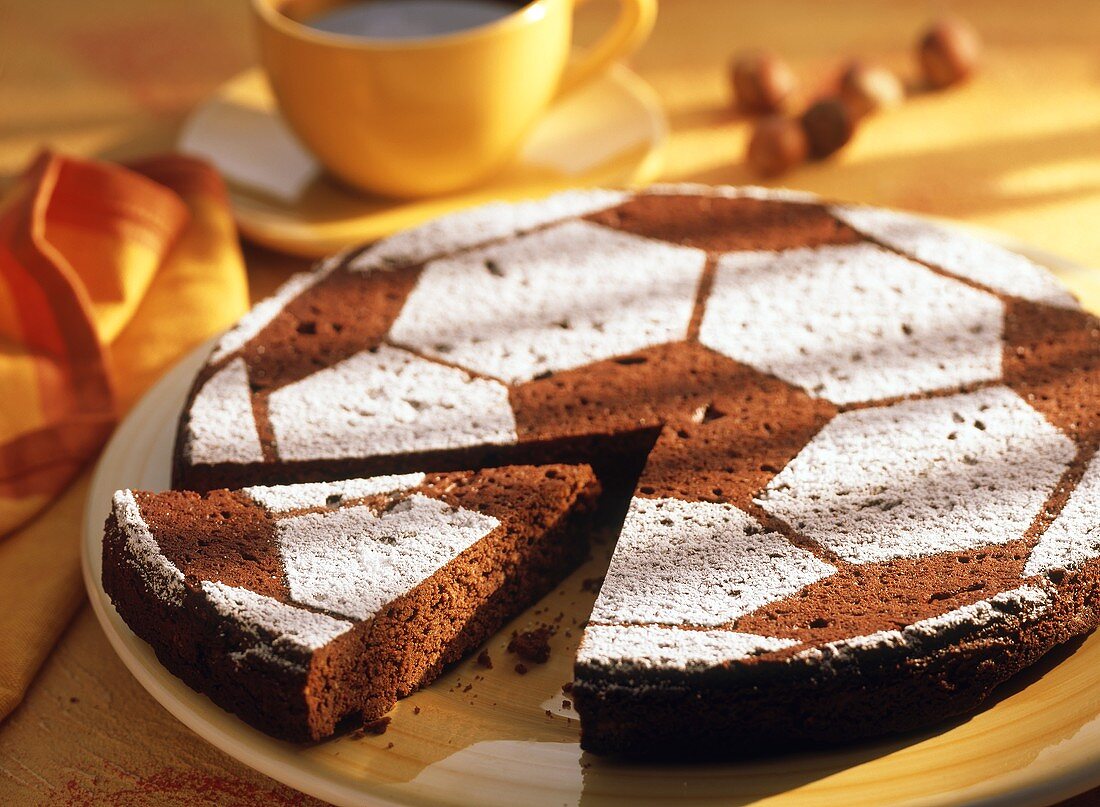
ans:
(1017, 150)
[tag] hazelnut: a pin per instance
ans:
(828, 125)
(762, 82)
(949, 52)
(777, 145)
(869, 88)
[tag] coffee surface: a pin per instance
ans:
(410, 19)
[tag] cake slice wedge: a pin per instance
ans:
(304, 607)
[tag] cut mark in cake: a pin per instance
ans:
(960, 254)
(388, 401)
(552, 300)
(1074, 537)
(660, 647)
(922, 477)
(723, 223)
(881, 326)
(471, 228)
(283, 628)
(278, 499)
(706, 283)
(353, 562)
(221, 427)
(698, 563)
(162, 576)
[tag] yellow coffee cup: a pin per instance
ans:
(419, 117)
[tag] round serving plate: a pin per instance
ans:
(609, 132)
(482, 736)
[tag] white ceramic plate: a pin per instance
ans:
(494, 737)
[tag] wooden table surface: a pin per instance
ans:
(1017, 150)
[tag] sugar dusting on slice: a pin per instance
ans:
(388, 401)
(354, 562)
(161, 575)
(221, 426)
(1074, 537)
(665, 647)
(852, 323)
(700, 564)
(273, 631)
(922, 477)
(555, 299)
(959, 253)
(489, 222)
(284, 498)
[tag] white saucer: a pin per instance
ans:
(609, 133)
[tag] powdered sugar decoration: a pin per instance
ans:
(698, 563)
(1021, 605)
(1074, 537)
(555, 299)
(161, 575)
(276, 624)
(731, 192)
(959, 253)
(388, 401)
(486, 223)
(852, 323)
(221, 426)
(660, 647)
(921, 477)
(352, 561)
(262, 313)
(284, 498)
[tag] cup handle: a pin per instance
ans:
(635, 21)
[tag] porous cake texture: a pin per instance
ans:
(298, 607)
(867, 485)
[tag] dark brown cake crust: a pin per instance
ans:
(544, 514)
(784, 703)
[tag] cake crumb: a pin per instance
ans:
(591, 584)
(378, 726)
(566, 704)
(389, 746)
(484, 660)
(532, 645)
(468, 687)
(521, 669)
(416, 710)
(567, 687)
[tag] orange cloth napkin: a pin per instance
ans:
(108, 275)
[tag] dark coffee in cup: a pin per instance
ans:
(410, 19)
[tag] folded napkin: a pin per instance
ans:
(108, 275)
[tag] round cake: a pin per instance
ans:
(860, 444)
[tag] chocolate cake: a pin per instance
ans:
(867, 490)
(301, 606)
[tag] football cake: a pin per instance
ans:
(866, 486)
